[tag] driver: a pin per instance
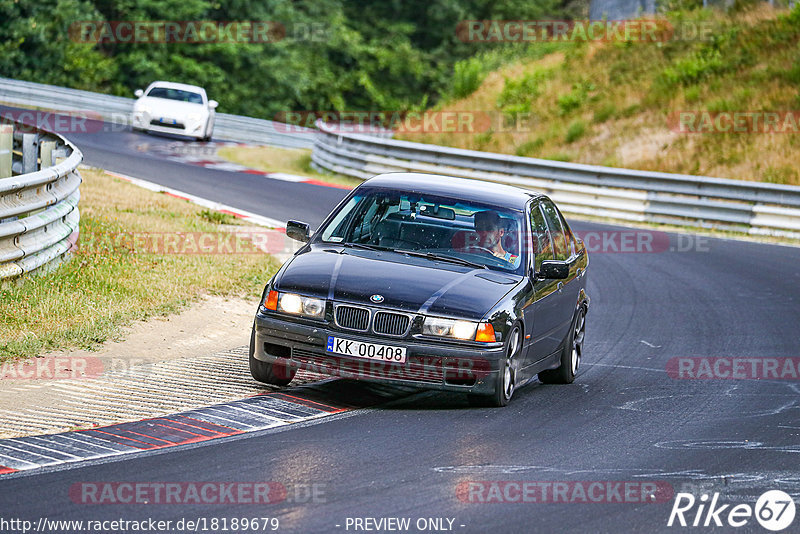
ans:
(490, 231)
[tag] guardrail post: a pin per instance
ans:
(46, 153)
(6, 147)
(29, 153)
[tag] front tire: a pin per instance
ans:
(506, 382)
(276, 374)
(570, 354)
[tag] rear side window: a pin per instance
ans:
(542, 245)
(551, 214)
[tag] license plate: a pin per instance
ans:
(368, 351)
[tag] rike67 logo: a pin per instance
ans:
(774, 510)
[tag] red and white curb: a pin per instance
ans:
(205, 155)
(253, 414)
(259, 220)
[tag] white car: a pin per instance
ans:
(174, 108)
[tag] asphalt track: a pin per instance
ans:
(624, 419)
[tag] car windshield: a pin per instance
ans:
(175, 94)
(442, 228)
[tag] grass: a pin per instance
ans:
(575, 131)
(106, 286)
(613, 101)
(217, 217)
(286, 160)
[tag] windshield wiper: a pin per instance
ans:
(443, 257)
(428, 255)
(366, 246)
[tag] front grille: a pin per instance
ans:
(352, 317)
(177, 126)
(391, 324)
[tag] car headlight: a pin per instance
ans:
(435, 326)
(295, 304)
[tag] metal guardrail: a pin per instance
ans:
(623, 194)
(117, 110)
(39, 197)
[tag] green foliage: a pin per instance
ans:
(692, 94)
(575, 131)
(530, 148)
(517, 94)
(35, 45)
(573, 100)
(216, 217)
(468, 74)
(694, 68)
(779, 175)
(604, 112)
(793, 74)
(336, 54)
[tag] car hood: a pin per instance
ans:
(416, 285)
(170, 108)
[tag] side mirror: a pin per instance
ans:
(553, 270)
(139, 93)
(298, 231)
(213, 104)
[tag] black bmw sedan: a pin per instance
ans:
(432, 281)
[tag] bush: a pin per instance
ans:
(517, 95)
(780, 175)
(529, 148)
(468, 75)
(693, 69)
(574, 99)
(575, 131)
(216, 217)
(605, 112)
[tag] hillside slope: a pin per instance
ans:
(620, 103)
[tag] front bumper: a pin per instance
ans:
(429, 364)
(144, 121)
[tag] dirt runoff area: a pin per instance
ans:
(211, 326)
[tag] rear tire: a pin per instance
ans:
(570, 354)
(276, 374)
(506, 382)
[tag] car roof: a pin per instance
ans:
(450, 186)
(181, 86)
